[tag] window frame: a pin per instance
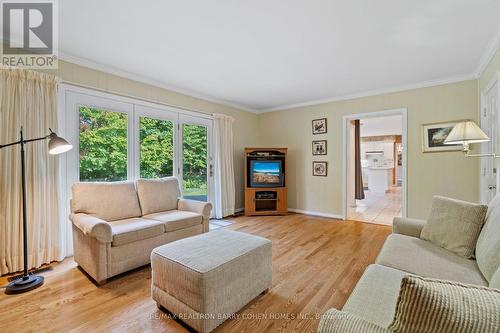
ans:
(73, 103)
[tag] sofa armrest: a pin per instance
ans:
(200, 207)
(407, 226)
(336, 321)
(93, 226)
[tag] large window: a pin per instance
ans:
(157, 147)
(119, 139)
(103, 145)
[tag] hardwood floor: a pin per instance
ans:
(316, 264)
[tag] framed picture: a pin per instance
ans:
(319, 126)
(320, 169)
(319, 147)
(433, 136)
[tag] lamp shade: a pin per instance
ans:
(466, 132)
(58, 145)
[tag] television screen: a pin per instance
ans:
(266, 173)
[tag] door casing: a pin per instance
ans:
(490, 118)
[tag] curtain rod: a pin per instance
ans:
(79, 85)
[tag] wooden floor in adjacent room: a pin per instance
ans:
(316, 264)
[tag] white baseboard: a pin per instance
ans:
(308, 212)
(305, 212)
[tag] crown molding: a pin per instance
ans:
(488, 55)
(136, 77)
(375, 92)
(490, 51)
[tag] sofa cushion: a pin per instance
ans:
(488, 243)
(495, 280)
(454, 225)
(135, 229)
(375, 296)
(158, 195)
(423, 258)
(176, 219)
(428, 305)
(107, 201)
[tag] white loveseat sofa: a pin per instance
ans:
(117, 225)
(371, 307)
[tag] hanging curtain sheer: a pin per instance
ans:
(359, 190)
(28, 99)
(224, 169)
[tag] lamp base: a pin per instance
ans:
(24, 284)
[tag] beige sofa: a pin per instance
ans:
(117, 225)
(371, 306)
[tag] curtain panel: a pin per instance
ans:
(224, 166)
(28, 99)
(359, 193)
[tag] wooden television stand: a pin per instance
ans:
(265, 200)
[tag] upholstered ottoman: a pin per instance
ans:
(204, 279)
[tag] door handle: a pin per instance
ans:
(492, 187)
(211, 170)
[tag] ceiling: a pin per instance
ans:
(377, 126)
(262, 55)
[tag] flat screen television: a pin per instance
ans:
(266, 173)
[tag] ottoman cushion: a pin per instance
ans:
(215, 273)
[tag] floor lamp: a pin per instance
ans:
(57, 145)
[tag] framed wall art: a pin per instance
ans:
(320, 169)
(319, 147)
(433, 136)
(319, 126)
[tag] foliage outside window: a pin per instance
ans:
(103, 150)
(194, 161)
(157, 148)
(103, 145)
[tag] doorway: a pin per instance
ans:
(374, 164)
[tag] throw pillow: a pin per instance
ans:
(432, 306)
(454, 225)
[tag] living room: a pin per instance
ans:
(185, 166)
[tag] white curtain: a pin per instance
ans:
(28, 99)
(224, 168)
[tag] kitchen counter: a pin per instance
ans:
(379, 179)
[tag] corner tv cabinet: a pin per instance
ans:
(266, 191)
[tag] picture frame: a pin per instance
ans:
(320, 168)
(319, 126)
(319, 147)
(434, 134)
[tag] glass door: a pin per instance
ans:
(196, 167)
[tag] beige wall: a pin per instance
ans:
(437, 173)
(245, 126)
(446, 173)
